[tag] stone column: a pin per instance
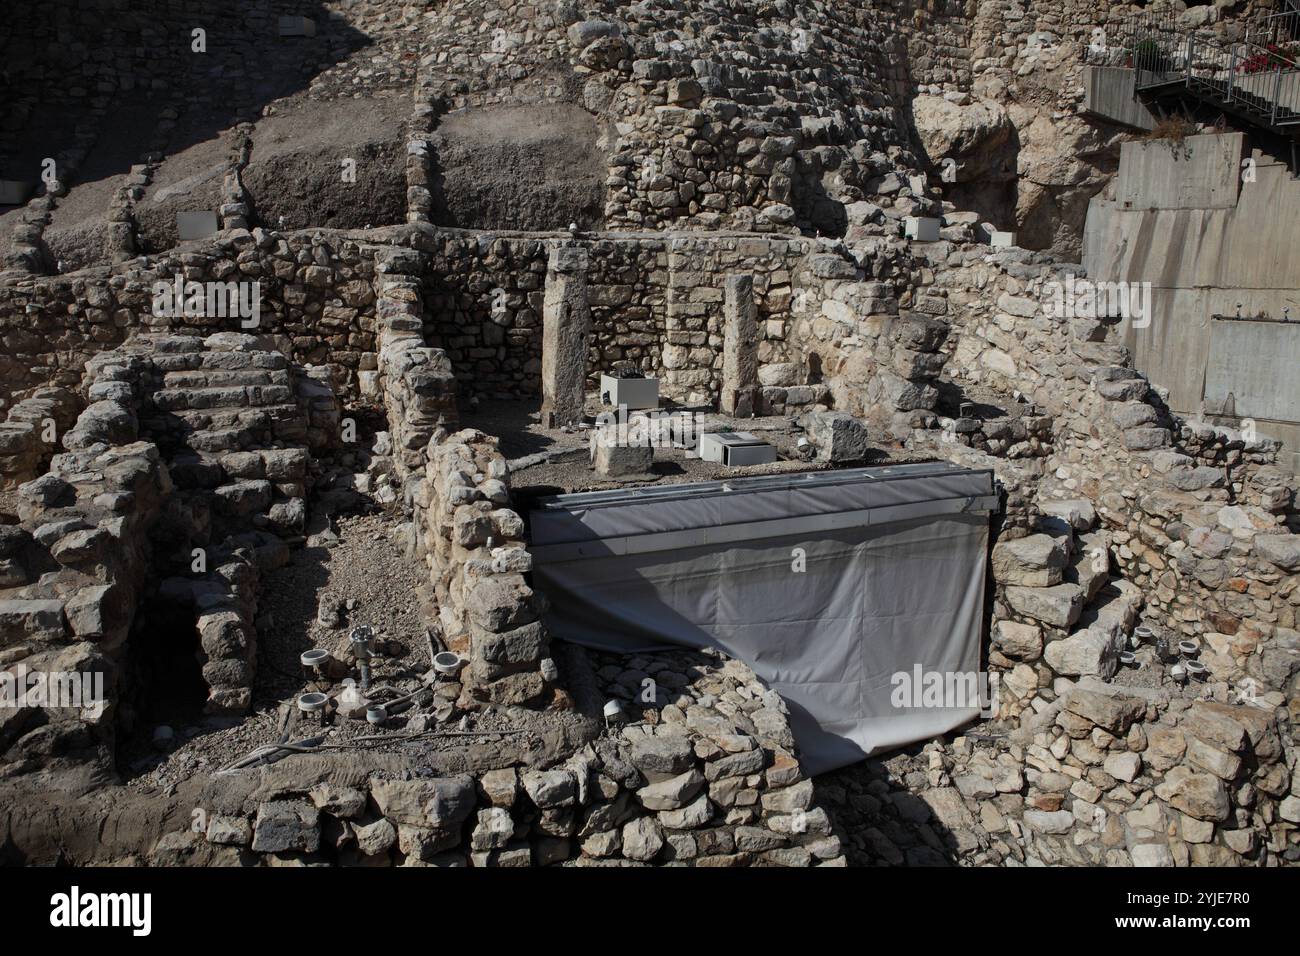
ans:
(739, 348)
(566, 326)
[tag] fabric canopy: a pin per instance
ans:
(827, 584)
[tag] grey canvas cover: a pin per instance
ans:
(893, 566)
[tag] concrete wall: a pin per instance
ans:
(1110, 93)
(1200, 172)
(1248, 360)
(1203, 256)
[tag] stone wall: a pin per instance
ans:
(31, 432)
(414, 381)
(710, 115)
(655, 301)
(1128, 515)
(316, 296)
(236, 426)
(74, 571)
(184, 480)
(1108, 776)
(473, 544)
(706, 776)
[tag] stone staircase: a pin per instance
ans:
(238, 427)
(1256, 80)
(235, 423)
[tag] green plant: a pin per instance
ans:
(1147, 55)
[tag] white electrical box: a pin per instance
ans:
(735, 449)
(196, 225)
(922, 229)
(1002, 240)
(632, 392)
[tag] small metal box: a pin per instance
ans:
(735, 449)
(196, 225)
(921, 229)
(632, 392)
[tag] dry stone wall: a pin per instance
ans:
(473, 544)
(415, 382)
(706, 776)
(187, 447)
(1126, 515)
(29, 436)
(315, 292)
(74, 571)
(710, 115)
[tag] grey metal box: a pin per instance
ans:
(632, 392)
(922, 229)
(735, 449)
(196, 225)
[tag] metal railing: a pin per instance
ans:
(1226, 76)
(1259, 81)
(1140, 37)
(1278, 29)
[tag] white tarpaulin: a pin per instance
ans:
(828, 584)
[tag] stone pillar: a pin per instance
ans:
(739, 348)
(566, 326)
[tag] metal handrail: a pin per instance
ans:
(1162, 53)
(1276, 28)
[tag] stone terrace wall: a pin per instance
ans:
(74, 570)
(317, 304)
(705, 777)
(713, 114)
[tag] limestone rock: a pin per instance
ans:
(1037, 561)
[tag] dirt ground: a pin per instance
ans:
(295, 169)
(368, 574)
(519, 167)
